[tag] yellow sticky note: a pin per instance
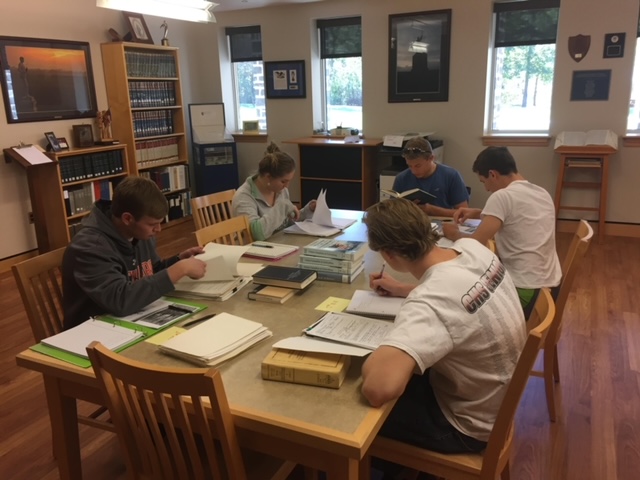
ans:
(165, 335)
(333, 304)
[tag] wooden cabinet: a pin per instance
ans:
(346, 170)
(145, 99)
(63, 191)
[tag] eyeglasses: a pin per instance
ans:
(414, 150)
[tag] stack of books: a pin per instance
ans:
(309, 368)
(286, 277)
(334, 260)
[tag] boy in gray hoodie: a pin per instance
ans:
(111, 264)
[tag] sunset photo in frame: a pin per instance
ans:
(419, 45)
(46, 79)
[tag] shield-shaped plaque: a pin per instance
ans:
(579, 46)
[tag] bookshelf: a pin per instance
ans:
(63, 191)
(145, 99)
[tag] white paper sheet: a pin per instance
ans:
(32, 155)
(222, 263)
(306, 344)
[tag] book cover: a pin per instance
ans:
(332, 262)
(270, 250)
(340, 277)
(271, 294)
(332, 248)
(308, 368)
(412, 195)
(287, 277)
(347, 267)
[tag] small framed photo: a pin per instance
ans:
(138, 27)
(64, 145)
(54, 144)
(82, 136)
(251, 127)
(285, 79)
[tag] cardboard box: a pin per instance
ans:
(309, 368)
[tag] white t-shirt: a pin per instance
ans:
(465, 322)
(526, 242)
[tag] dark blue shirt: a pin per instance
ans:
(446, 184)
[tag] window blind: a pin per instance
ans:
(533, 22)
(340, 37)
(245, 43)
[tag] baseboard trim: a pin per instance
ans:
(613, 229)
(7, 263)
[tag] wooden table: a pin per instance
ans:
(326, 429)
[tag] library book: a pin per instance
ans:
(287, 277)
(414, 194)
(270, 294)
(339, 249)
(309, 368)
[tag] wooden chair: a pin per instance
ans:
(212, 208)
(570, 265)
(495, 459)
(169, 421)
(235, 231)
(39, 281)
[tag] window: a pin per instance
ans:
(245, 46)
(341, 54)
(523, 62)
(633, 121)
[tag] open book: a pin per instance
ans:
(591, 137)
(159, 314)
(322, 224)
(370, 304)
(350, 329)
(269, 250)
(412, 195)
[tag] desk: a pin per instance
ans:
(321, 428)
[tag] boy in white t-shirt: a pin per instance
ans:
(455, 342)
(521, 217)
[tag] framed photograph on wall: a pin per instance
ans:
(46, 80)
(285, 79)
(590, 85)
(138, 27)
(419, 46)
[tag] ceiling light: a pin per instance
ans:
(190, 10)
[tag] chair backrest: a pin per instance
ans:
(499, 445)
(570, 266)
(212, 208)
(235, 231)
(39, 281)
(168, 419)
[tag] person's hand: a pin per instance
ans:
(450, 230)
(194, 268)
(463, 214)
(312, 205)
(190, 252)
(387, 286)
(294, 214)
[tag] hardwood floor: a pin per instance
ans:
(597, 436)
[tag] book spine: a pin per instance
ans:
(335, 277)
(333, 262)
(348, 269)
(351, 256)
(305, 377)
(263, 298)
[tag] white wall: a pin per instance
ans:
(287, 34)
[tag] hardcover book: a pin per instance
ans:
(287, 277)
(346, 267)
(270, 294)
(332, 248)
(340, 277)
(412, 195)
(309, 368)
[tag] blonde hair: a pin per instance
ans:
(275, 162)
(398, 225)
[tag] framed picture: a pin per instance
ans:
(419, 46)
(64, 145)
(82, 136)
(46, 80)
(54, 144)
(251, 126)
(590, 85)
(285, 79)
(138, 27)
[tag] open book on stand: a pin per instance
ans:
(322, 224)
(588, 138)
(412, 195)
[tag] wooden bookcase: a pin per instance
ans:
(79, 174)
(346, 170)
(147, 112)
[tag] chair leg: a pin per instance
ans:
(549, 362)
(556, 367)
(506, 473)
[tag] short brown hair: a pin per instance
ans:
(140, 197)
(400, 226)
(417, 147)
(276, 163)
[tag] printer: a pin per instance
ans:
(392, 146)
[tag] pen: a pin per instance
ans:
(198, 320)
(262, 245)
(380, 289)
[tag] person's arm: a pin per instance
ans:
(435, 211)
(385, 374)
(487, 229)
(307, 211)
(262, 226)
(386, 285)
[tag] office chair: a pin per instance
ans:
(495, 458)
(175, 422)
(212, 208)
